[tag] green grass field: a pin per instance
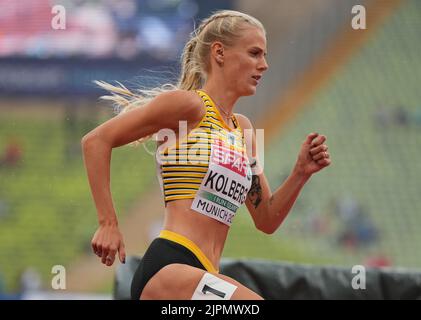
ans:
(50, 216)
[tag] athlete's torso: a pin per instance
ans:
(205, 177)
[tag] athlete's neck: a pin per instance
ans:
(223, 99)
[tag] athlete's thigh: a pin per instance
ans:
(184, 282)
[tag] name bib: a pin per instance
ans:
(226, 184)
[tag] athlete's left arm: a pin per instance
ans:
(268, 209)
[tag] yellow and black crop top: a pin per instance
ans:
(183, 165)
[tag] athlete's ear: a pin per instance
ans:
(217, 52)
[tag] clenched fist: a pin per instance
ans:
(313, 155)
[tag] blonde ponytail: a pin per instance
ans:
(191, 77)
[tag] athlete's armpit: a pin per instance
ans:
(255, 193)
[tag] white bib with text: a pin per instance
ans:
(226, 184)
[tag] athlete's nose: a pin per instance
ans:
(263, 65)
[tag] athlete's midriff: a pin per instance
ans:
(207, 233)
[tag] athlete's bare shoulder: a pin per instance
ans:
(187, 104)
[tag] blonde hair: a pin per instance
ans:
(224, 26)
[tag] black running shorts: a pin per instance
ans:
(160, 253)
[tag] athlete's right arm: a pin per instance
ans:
(164, 111)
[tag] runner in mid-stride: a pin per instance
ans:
(207, 173)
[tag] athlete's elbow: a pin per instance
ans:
(93, 140)
(85, 139)
(88, 140)
(266, 228)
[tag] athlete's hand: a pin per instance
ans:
(313, 155)
(107, 241)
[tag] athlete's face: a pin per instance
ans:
(245, 61)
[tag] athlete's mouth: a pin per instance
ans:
(257, 77)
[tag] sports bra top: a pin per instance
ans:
(208, 165)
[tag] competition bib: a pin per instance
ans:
(226, 184)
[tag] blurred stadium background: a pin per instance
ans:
(359, 87)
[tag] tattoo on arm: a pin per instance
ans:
(255, 193)
(253, 163)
